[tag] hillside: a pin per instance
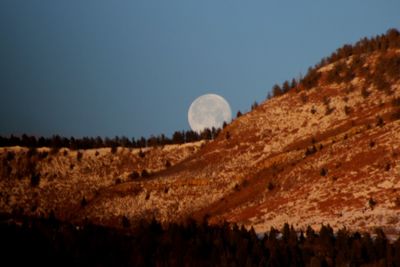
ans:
(325, 151)
(37, 182)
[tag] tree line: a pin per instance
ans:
(57, 141)
(42, 242)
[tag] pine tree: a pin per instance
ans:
(285, 87)
(276, 90)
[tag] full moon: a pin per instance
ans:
(209, 111)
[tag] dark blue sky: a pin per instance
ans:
(88, 68)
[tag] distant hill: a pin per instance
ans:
(323, 150)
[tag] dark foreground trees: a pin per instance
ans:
(40, 242)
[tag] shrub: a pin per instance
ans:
(379, 121)
(329, 110)
(125, 222)
(396, 102)
(134, 175)
(145, 174)
(310, 151)
(79, 155)
(313, 110)
(34, 208)
(245, 183)
(396, 115)
(397, 202)
(326, 100)
(371, 144)
(372, 203)
(83, 202)
(35, 179)
(32, 152)
(10, 156)
(387, 167)
(270, 186)
(7, 169)
(365, 93)
(167, 164)
(347, 110)
(43, 155)
(141, 154)
(348, 90)
(323, 172)
(237, 187)
(381, 84)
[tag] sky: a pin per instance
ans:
(132, 68)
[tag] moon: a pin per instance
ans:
(208, 111)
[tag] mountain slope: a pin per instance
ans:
(37, 182)
(261, 175)
(324, 155)
(326, 151)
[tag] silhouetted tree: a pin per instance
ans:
(293, 84)
(191, 136)
(276, 90)
(206, 134)
(178, 138)
(285, 87)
